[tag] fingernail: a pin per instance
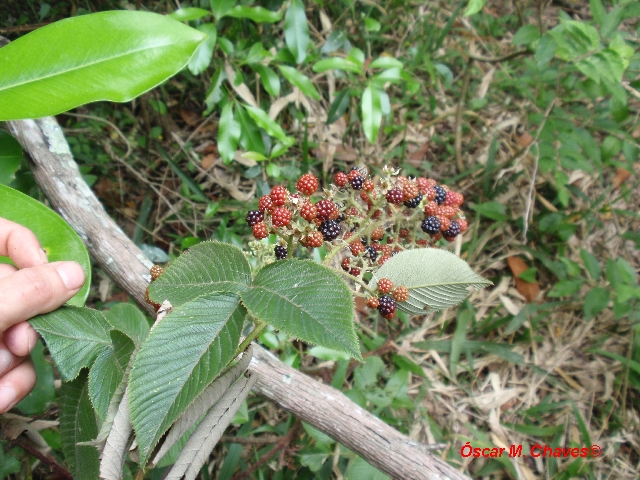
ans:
(7, 398)
(5, 360)
(43, 256)
(71, 273)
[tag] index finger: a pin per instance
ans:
(20, 244)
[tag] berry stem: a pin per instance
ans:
(357, 234)
(290, 246)
(358, 281)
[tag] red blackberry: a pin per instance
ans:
(254, 216)
(423, 184)
(313, 240)
(447, 211)
(330, 230)
(414, 202)
(345, 264)
(309, 211)
(430, 194)
(377, 234)
(463, 224)
(356, 248)
(340, 179)
(281, 217)
(353, 173)
(355, 272)
(431, 209)
(430, 225)
(386, 306)
(326, 208)
(260, 231)
(401, 294)
(364, 196)
(368, 186)
(394, 196)
(441, 194)
(436, 237)
(265, 204)
(453, 199)
(383, 259)
(279, 195)
(307, 184)
(281, 252)
(444, 222)
(409, 190)
(357, 182)
(155, 272)
(385, 285)
(372, 302)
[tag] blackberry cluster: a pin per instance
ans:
(430, 225)
(330, 230)
(387, 306)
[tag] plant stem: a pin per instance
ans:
(260, 326)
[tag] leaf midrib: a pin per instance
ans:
(84, 65)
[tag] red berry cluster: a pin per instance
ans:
(371, 219)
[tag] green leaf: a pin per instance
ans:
(201, 59)
(206, 268)
(574, 39)
(492, 210)
(128, 319)
(526, 35)
(606, 65)
(44, 392)
(406, 363)
(57, 238)
(266, 123)
(250, 138)
(184, 352)
(371, 112)
(107, 372)
(219, 8)
(307, 301)
(188, 14)
(566, 287)
(545, 50)
(296, 30)
(337, 63)
(75, 337)
(228, 134)
(366, 374)
(591, 264)
(42, 75)
(186, 179)
(279, 148)
(339, 105)
(529, 275)
(10, 157)
(258, 157)
(371, 24)
(474, 7)
(360, 469)
(595, 301)
(616, 16)
(386, 62)
(299, 80)
(257, 14)
(436, 279)
(269, 78)
(598, 12)
(78, 424)
(473, 346)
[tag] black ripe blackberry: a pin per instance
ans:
(341, 218)
(357, 182)
(386, 305)
(371, 252)
(364, 241)
(254, 216)
(281, 252)
(414, 202)
(441, 194)
(454, 229)
(431, 225)
(329, 229)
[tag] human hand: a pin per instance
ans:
(38, 287)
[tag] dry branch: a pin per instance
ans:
(320, 405)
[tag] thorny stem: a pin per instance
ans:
(364, 226)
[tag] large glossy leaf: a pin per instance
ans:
(202, 57)
(265, 122)
(78, 424)
(436, 279)
(296, 30)
(113, 56)
(371, 112)
(250, 138)
(57, 238)
(75, 337)
(307, 301)
(228, 134)
(10, 157)
(183, 353)
(208, 267)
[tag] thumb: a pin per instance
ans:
(31, 291)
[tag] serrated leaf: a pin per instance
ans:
(228, 134)
(107, 372)
(57, 238)
(296, 30)
(436, 279)
(206, 268)
(128, 319)
(42, 68)
(183, 353)
(299, 80)
(307, 301)
(75, 336)
(78, 424)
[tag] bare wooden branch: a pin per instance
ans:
(311, 401)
